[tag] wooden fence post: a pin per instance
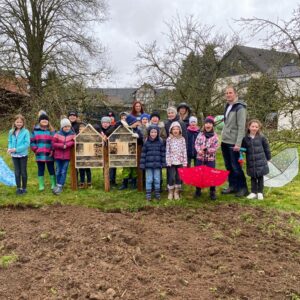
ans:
(139, 170)
(73, 173)
(106, 167)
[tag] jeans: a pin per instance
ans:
(153, 175)
(41, 167)
(61, 171)
(88, 173)
(236, 178)
(173, 176)
(112, 175)
(20, 164)
(257, 184)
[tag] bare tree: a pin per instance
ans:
(41, 35)
(162, 67)
(281, 35)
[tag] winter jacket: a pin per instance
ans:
(41, 143)
(75, 126)
(235, 123)
(60, 139)
(153, 152)
(176, 149)
(257, 155)
(20, 142)
(209, 146)
(168, 124)
(192, 133)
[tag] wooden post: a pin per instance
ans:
(73, 173)
(139, 170)
(106, 167)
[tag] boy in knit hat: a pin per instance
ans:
(192, 133)
(62, 143)
(155, 120)
(132, 123)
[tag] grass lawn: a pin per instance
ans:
(285, 198)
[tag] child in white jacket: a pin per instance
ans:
(176, 157)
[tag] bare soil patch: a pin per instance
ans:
(217, 252)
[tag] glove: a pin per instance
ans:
(135, 135)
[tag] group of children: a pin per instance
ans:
(172, 144)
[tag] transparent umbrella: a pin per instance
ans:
(7, 176)
(283, 168)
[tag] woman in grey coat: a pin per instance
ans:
(257, 156)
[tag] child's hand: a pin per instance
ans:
(12, 150)
(65, 146)
(135, 135)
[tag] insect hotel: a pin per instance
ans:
(122, 148)
(88, 148)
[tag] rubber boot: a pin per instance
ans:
(177, 192)
(157, 194)
(52, 181)
(171, 192)
(41, 183)
(148, 195)
(124, 185)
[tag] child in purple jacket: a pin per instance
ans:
(206, 145)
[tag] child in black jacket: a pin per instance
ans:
(257, 156)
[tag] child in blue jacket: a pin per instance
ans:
(153, 159)
(18, 144)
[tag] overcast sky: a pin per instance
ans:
(132, 21)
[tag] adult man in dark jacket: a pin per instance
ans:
(232, 135)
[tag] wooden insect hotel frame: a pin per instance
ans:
(89, 149)
(122, 148)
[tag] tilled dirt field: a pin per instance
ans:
(217, 252)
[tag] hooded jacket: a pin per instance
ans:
(153, 152)
(61, 139)
(192, 133)
(257, 155)
(176, 148)
(20, 142)
(235, 123)
(168, 124)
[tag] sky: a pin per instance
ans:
(143, 21)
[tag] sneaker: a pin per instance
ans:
(19, 192)
(89, 185)
(260, 196)
(228, 190)
(242, 193)
(24, 191)
(252, 196)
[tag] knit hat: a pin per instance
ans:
(106, 120)
(43, 117)
(153, 127)
(65, 122)
(193, 119)
(210, 119)
(155, 114)
(172, 109)
(123, 113)
(130, 119)
(147, 116)
(175, 124)
(73, 113)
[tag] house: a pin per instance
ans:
(121, 99)
(13, 92)
(242, 63)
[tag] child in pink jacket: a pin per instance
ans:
(176, 157)
(206, 145)
(62, 143)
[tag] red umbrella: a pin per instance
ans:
(203, 176)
